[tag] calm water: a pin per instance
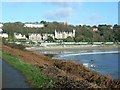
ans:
(104, 62)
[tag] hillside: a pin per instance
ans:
(85, 33)
(65, 74)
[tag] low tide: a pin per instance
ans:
(102, 61)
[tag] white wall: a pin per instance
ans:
(34, 25)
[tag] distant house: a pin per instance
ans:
(108, 43)
(45, 36)
(97, 43)
(19, 36)
(63, 35)
(33, 25)
(4, 35)
(95, 29)
(40, 37)
(35, 37)
(1, 30)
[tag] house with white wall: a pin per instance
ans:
(35, 37)
(63, 35)
(4, 35)
(19, 36)
(33, 25)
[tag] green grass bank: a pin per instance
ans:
(32, 74)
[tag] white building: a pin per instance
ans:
(1, 30)
(45, 36)
(95, 29)
(35, 37)
(19, 36)
(63, 35)
(4, 35)
(34, 25)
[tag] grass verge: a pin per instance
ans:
(32, 74)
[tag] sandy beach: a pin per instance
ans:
(75, 47)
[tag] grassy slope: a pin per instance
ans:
(32, 74)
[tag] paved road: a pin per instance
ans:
(11, 78)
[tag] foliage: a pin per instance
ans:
(69, 39)
(32, 74)
(13, 45)
(50, 39)
(83, 33)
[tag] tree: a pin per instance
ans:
(43, 22)
(69, 39)
(50, 39)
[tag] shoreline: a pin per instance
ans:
(65, 74)
(75, 47)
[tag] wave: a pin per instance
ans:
(89, 53)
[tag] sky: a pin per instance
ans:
(75, 13)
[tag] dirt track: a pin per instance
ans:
(65, 74)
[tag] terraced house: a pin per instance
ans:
(40, 37)
(63, 35)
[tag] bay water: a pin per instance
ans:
(102, 61)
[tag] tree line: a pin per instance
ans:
(83, 33)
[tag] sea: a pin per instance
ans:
(106, 62)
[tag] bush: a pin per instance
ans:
(13, 45)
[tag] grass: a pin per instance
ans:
(32, 74)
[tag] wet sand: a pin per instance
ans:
(75, 47)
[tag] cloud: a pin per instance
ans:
(58, 14)
(95, 17)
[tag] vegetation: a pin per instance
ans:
(64, 74)
(50, 39)
(69, 39)
(32, 74)
(83, 33)
(13, 45)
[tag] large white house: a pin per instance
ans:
(35, 37)
(39, 37)
(33, 25)
(19, 36)
(1, 30)
(63, 35)
(4, 35)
